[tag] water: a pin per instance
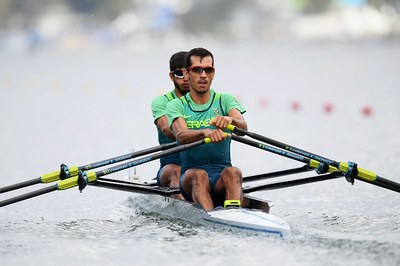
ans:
(78, 107)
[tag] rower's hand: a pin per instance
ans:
(221, 121)
(216, 135)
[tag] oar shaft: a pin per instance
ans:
(127, 156)
(20, 185)
(291, 183)
(284, 146)
(383, 182)
(315, 160)
(91, 176)
(292, 171)
(272, 149)
(135, 188)
(150, 158)
(28, 195)
(74, 170)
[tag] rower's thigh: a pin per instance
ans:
(169, 172)
(195, 177)
(230, 175)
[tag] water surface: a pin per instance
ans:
(81, 107)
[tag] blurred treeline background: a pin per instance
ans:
(73, 24)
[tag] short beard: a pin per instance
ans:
(201, 92)
(179, 89)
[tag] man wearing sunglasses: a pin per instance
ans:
(170, 166)
(207, 175)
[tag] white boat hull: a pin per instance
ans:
(242, 219)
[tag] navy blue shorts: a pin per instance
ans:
(213, 172)
(158, 175)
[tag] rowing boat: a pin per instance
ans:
(255, 219)
(231, 218)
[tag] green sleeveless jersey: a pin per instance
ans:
(158, 107)
(199, 117)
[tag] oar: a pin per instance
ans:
(313, 164)
(295, 182)
(66, 172)
(130, 186)
(84, 177)
(134, 187)
(351, 170)
(292, 171)
(151, 187)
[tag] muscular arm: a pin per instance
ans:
(237, 119)
(185, 135)
(162, 124)
(234, 117)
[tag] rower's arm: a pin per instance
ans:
(234, 118)
(185, 135)
(237, 118)
(162, 124)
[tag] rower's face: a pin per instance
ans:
(201, 82)
(180, 79)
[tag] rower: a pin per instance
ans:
(170, 166)
(208, 177)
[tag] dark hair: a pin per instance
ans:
(177, 60)
(201, 52)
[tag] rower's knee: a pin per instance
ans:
(170, 176)
(174, 170)
(231, 174)
(199, 178)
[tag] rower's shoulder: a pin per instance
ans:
(226, 97)
(178, 101)
(162, 100)
(175, 104)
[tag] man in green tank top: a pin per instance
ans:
(170, 166)
(207, 175)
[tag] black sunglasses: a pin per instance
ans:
(199, 70)
(178, 73)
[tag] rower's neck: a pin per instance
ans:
(178, 95)
(200, 98)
